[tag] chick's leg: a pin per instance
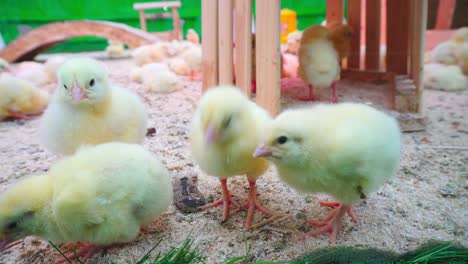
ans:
(350, 212)
(82, 254)
(226, 201)
(251, 204)
(333, 224)
(334, 98)
(311, 96)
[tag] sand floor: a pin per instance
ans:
(427, 199)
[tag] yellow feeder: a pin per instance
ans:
(288, 23)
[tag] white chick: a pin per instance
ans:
(461, 35)
(462, 56)
(19, 98)
(179, 66)
(87, 109)
(51, 66)
(155, 52)
(162, 81)
(445, 53)
(102, 195)
(444, 77)
(115, 48)
(318, 61)
(346, 150)
(150, 68)
(193, 58)
(192, 36)
(225, 130)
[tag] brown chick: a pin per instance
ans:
(341, 36)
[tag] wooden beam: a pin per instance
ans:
(334, 11)
(243, 26)
(397, 36)
(354, 20)
(209, 43)
(225, 41)
(268, 55)
(445, 14)
(418, 31)
(142, 20)
(373, 34)
(176, 23)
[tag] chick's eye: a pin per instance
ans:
(64, 86)
(227, 122)
(91, 83)
(282, 140)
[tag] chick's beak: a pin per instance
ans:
(77, 93)
(262, 151)
(210, 134)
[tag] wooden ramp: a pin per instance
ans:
(42, 38)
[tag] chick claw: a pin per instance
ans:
(226, 201)
(251, 205)
(335, 205)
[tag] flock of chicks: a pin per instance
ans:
(107, 185)
(447, 64)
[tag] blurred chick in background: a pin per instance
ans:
(318, 61)
(31, 71)
(51, 66)
(193, 58)
(179, 66)
(87, 109)
(341, 35)
(20, 98)
(444, 77)
(115, 48)
(147, 69)
(192, 36)
(346, 150)
(102, 195)
(164, 81)
(226, 128)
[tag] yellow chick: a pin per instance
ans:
(445, 53)
(462, 56)
(461, 35)
(31, 71)
(346, 150)
(87, 109)
(225, 130)
(102, 195)
(147, 69)
(115, 48)
(179, 66)
(444, 77)
(318, 61)
(19, 98)
(156, 52)
(192, 36)
(193, 58)
(163, 81)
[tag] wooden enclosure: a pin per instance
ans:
(404, 39)
(173, 5)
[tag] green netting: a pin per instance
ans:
(34, 13)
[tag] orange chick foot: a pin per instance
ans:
(82, 254)
(226, 201)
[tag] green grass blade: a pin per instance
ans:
(61, 253)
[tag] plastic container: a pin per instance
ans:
(288, 21)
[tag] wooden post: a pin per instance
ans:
(445, 14)
(334, 11)
(142, 20)
(243, 26)
(372, 34)
(209, 43)
(225, 41)
(176, 23)
(354, 20)
(418, 31)
(397, 36)
(268, 55)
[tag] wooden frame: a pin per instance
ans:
(404, 39)
(173, 5)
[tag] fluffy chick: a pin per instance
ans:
(192, 36)
(19, 98)
(162, 81)
(445, 53)
(147, 69)
(193, 58)
(31, 71)
(346, 150)
(179, 66)
(225, 130)
(102, 195)
(87, 109)
(461, 35)
(318, 61)
(341, 36)
(444, 77)
(155, 52)
(462, 56)
(115, 48)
